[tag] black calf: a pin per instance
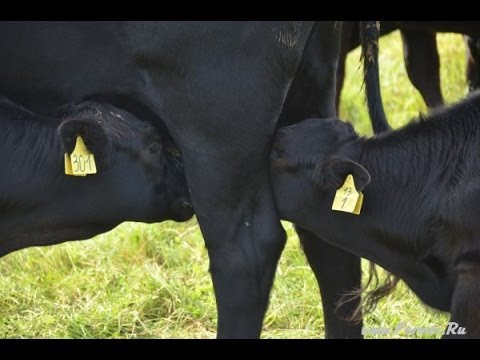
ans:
(138, 177)
(421, 187)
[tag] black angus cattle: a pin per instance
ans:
(138, 178)
(420, 53)
(421, 187)
(473, 62)
(218, 88)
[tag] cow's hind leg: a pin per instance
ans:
(349, 40)
(316, 77)
(243, 235)
(220, 96)
(423, 64)
(337, 273)
(473, 62)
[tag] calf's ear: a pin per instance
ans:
(331, 174)
(93, 136)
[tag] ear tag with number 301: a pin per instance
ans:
(82, 162)
(347, 198)
(68, 165)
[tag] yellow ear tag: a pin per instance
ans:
(347, 198)
(68, 165)
(82, 161)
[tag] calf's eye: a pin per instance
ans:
(155, 148)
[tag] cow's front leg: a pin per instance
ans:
(337, 273)
(235, 209)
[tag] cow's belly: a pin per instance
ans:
(50, 64)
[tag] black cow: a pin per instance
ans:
(138, 177)
(473, 62)
(219, 88)
(421, 187)
(420, 53)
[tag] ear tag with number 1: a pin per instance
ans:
(347, 198)
(82, 162)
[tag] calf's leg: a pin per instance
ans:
(337, 273)
(465, 312)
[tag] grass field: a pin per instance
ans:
(152, 281)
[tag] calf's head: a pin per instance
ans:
(139, 175)
(139, 171)
(309, 162)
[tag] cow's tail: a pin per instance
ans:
(369, 31)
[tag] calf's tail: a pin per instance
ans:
(371, 297)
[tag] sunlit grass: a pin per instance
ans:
(401, 100)
(152, 281)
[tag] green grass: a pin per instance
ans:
(152, 281)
